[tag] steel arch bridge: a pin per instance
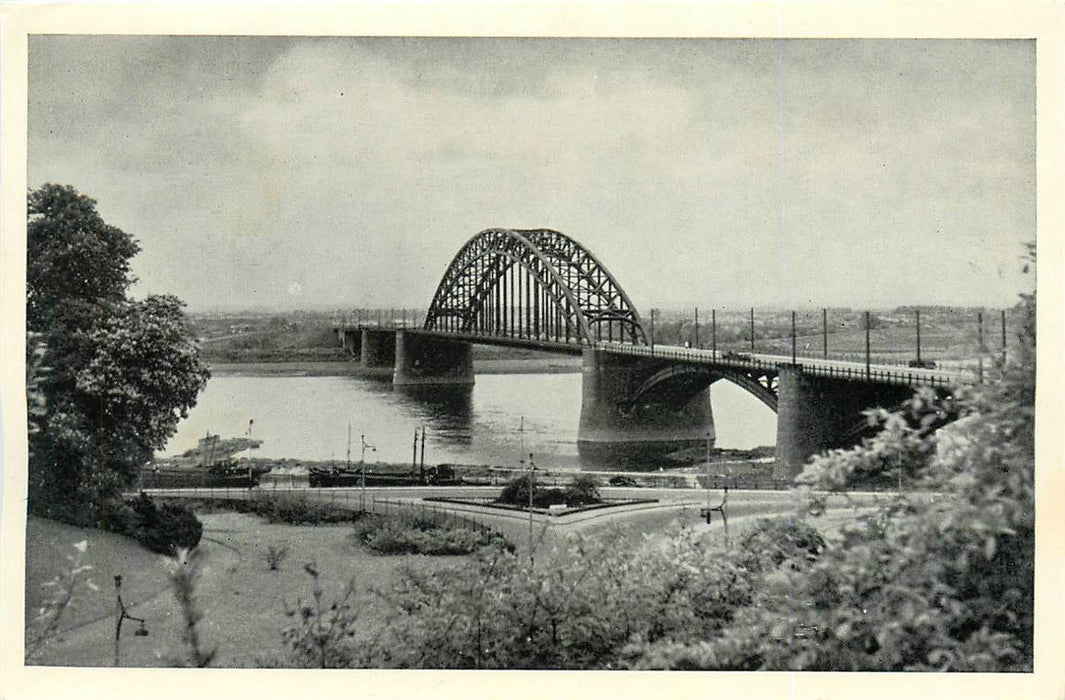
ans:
(535, 284)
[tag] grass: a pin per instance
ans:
(49, 542)
(244, 603)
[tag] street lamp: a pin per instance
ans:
(532, 487)
(362, 468)
(708, 469)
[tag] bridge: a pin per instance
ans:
(541, 289)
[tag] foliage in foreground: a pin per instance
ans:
(186, 568)
(322, 633)
(593, 607)
(66, 588)
(412, 534)
(940, 579)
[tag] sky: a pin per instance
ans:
(286, 173)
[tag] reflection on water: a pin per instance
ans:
(499, 421)
(448, 410)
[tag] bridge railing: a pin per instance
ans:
(875, 373)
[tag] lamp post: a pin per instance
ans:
(532, 487)
(362, 468)
(708, 469)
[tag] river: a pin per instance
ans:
(307, 417)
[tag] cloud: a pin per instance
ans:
(699, 171)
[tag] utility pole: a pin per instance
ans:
(867, 362)
(713, 332)
(362, 469)
(696, 326)
(532, 487)
(414, 452)
(824, 333)
(1003, 337)
(980, 350)
(918, 312)
(793, 338)
(423, 454)
(752, 329)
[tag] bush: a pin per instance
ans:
(922, 584)
(595, 607)
(397, 534)
(163, 529)
(280, 508)
(582, 490)
(296, 510)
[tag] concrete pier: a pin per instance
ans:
(351, 340)
(378, 348)
(422, 360)
(613, 413)
(819, 413)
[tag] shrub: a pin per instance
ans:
(582, 490)
(922, 584)
(295, 510)
(161, 528)
(185, 571)
(595, 607)
(322, 634)
(399, 534)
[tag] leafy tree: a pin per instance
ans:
(121, 372)
(939, 578)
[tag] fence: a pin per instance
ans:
(354, 500)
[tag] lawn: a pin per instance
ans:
(48, 543)
(244, 602)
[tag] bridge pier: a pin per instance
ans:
(815, 414)
(378, 348)
(612, 413)
(351, 340)
(422, 360)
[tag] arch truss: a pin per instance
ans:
(536, 285)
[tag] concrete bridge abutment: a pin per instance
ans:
(378, 348)
(815, 414)
(351, 340)
(612, 413)
(422, 360)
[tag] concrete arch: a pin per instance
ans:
(671, 372)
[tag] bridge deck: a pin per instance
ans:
(840, 369)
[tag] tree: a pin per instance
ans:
(939, 578)
(121, 372)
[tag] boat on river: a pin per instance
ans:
(215, 462)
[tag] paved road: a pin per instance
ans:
(634, 520)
